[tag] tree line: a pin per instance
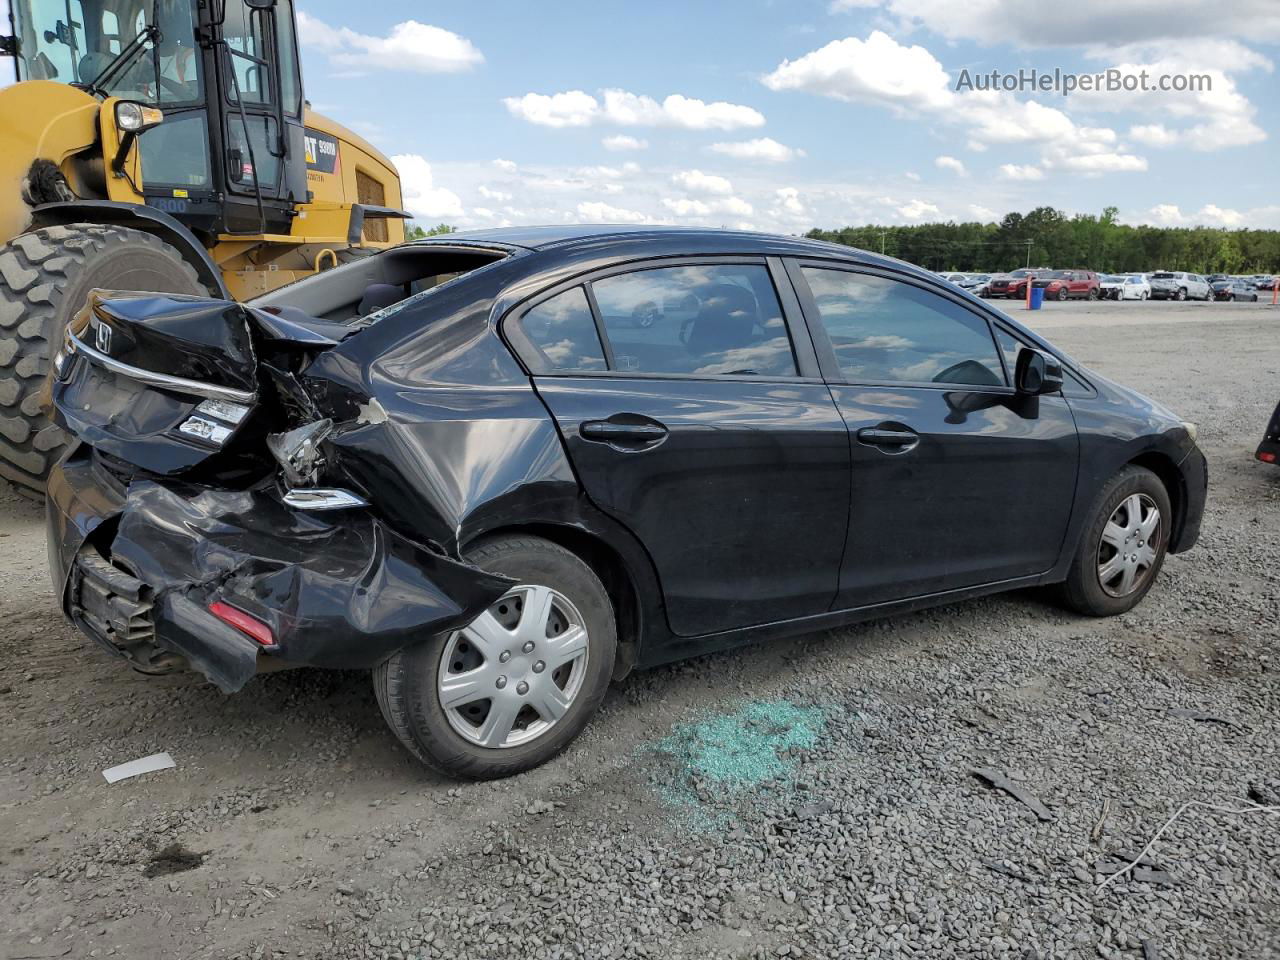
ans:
(1048, 237)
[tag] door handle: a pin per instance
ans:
(882, 437)
(611, 431)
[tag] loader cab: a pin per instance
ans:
(229, 156)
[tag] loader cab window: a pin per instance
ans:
(83, 41)
(245, 32)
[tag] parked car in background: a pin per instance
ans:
(1068, 284)
(1014, 284)
(1215, 277)
(1136, 286)
(1233, 290)
(497, 493)
(1110, 286)
(1178, 285)
(1264, 282)
(976, 283)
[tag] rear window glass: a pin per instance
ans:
(563, 332)
(712, 320)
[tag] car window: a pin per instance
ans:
(563, 331)
(887, 330)
(708, 320)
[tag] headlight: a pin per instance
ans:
(133, 117)
(1193, 431)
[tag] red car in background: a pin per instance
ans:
(1065, 284)
(1014, 284)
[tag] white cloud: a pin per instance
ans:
(984, 214)
(508, 166)
(917, 209)
(1014, 171)
(1217, 117)
(1111, 22)
(877, 70)
(410, 46)
(695, 181)
(788, 203)
(764, 149)
(595, 211)
(950, 163)
(910, 81)
(422, 197)
(843, 6)
(497, 196)
(684, 207)
(1211, 215)
(1153, 134)
(912, 176)
(575, 108)
(620, 142)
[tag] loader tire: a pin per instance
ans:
(45, 277)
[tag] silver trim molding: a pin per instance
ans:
(161, 380)
(323, 498)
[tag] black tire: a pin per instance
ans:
(1062, 293)
(1181, 294)
(45, 277)
(1093, 293)
(406, 683)
(1082, 591)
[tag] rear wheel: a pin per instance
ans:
(45, 277)
(1181, 294)
(1122, 547)
(518, 684)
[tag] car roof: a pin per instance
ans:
(564, 236)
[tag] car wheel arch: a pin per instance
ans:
(617, 575)
(1167, 471)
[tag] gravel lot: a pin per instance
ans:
(811, 798)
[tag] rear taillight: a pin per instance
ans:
(249, 626)
(1266, 456)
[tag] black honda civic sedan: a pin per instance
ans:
(500, 469)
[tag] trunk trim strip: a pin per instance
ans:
(162, 380)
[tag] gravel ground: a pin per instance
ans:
(812, 798)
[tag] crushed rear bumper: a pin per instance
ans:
(138, 566)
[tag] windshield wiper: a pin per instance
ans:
(98, 85)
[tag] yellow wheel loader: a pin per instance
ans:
(161, 145)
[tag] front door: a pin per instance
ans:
(687, 418)
(957, 479)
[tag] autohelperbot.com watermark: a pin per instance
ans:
(1065, 82)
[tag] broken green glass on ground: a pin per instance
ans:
(735, 752)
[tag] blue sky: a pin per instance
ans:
(788, 115)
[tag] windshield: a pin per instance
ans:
(1162, 276)
(76, 41)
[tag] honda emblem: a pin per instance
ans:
(103, 338)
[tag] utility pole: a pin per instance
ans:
(1028, 243)
(882, 235)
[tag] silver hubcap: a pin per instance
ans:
(513, 672)
(1129, 547)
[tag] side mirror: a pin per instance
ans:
(1037, 373)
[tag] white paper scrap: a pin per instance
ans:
(157, 761)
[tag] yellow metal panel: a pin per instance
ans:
(38, 119)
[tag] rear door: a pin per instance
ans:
(695, 417)
(957, 479)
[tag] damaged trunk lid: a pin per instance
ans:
(167, 383)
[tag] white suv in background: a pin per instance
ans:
(1176, 285)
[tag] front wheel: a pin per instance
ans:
(1062, 294)
(1122, 547)
(516, 686)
